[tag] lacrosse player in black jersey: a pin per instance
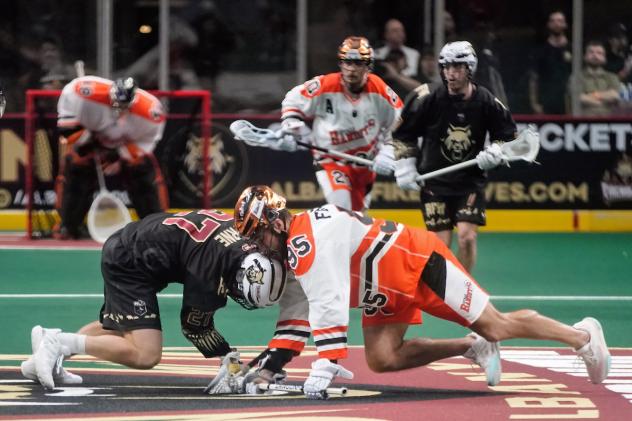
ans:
(199, 249)
(453, 118)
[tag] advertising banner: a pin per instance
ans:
(582, 165)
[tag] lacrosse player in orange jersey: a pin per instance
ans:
(354, 112)
(343, 259)
(123, 124)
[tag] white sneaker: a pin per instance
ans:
(595, 353)
(487, 356)
(60, 375)
(46, 357)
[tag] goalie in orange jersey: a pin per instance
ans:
(343, 259)
(122, 124)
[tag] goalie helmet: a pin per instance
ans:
(356, 48)
(260, 282)
(257, 206)
(122, 92)
(458, 52)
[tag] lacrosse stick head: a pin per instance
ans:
(246, 132)
(525, 147)
(107, 215)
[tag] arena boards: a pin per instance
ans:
(450, 390)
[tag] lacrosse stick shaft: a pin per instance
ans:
(446, 170)
(340, 391)
(100, 176)
(345, 156)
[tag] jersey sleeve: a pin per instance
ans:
(301, 101)
(326, 286)
(68, 108)
(413, 118)
(292, 328)
(501, 123)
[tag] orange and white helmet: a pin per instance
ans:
(257, 206)
(356, 48)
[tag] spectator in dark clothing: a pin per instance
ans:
(551, 69)
(619, 53)
(391, 69)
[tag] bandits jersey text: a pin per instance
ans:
(199, 249)
(85, 103)
(453, 130)
(343, 124)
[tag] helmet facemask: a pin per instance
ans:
(122, 93)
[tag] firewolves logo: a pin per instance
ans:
(457, 144)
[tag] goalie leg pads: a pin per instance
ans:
(74, 187)
(145, 185)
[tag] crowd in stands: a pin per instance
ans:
(204, 44)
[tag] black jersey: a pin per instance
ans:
(453, 131)
(198, 249)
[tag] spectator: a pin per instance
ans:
(49, 69)
(598, 88)
(391, 69)
(394, 38)
(428, 71)
(488, 72)
(619, 54)
(551, 69)
(449, 27)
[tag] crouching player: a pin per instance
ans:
(343, 259)
(200, 250)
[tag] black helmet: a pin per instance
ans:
(122, 92)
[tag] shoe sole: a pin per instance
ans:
(496, 367)
(602, 340)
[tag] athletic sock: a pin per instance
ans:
(73, 342)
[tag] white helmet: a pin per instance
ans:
(260, 281)
(459, 52)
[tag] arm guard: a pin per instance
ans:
(198, 327)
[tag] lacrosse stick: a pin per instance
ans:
(108, 213)
(254, 136)
(340, 391)
(523, 148)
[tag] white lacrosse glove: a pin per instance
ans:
(406, 174)
(292, 129)
(384, 162)
(320, 377)
(490, 157)
(230, 377)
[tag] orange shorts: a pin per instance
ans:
(358, 181)
(420, 273)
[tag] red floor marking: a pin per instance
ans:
(451, 389)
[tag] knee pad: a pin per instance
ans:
(145, 185)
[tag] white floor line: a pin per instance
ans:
(493, 297)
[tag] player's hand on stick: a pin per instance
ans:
(229, 378)
(253, 379)
(384, 162)
(490, 157)
(406, 174)
(320, 377)
(292, 129)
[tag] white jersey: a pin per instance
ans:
(352, 126)
(85, 103)
(343, 259)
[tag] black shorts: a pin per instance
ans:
(130, 295)
(442, 212)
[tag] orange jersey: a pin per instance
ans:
(343, 124)
(343, 259)
(85, 102)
